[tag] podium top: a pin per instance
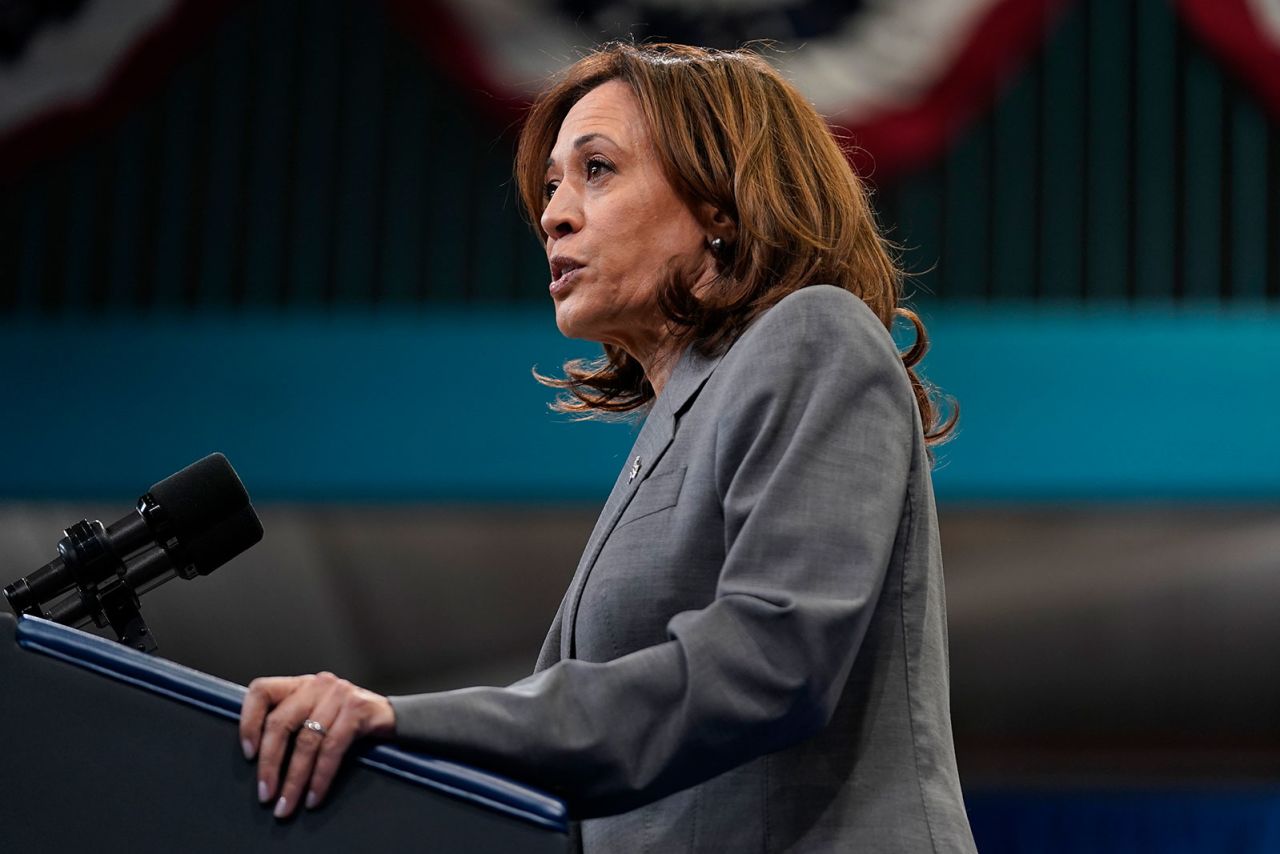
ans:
(224, 698)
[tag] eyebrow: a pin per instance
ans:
(581, 141)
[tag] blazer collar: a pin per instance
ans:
(687, 378)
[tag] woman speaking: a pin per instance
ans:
(752, 653)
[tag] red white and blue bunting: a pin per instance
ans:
(903, 76)
(69, 67)
(1246, 36)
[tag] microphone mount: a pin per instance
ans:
(186, 525)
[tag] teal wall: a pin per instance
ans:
(1063, 403)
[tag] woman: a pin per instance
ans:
(752, 655)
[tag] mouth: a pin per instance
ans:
(563, 270)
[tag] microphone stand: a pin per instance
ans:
(186, 525)
(106, 587)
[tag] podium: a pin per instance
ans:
(107, 749)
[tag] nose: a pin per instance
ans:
(563, 214)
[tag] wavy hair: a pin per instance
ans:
(729, 130)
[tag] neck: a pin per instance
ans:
(659, 363)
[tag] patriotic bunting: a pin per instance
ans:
(1246, 35)
(904, 77)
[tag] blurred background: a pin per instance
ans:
(287, 231)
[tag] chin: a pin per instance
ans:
(567, 325)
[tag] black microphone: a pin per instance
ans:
(188, 524)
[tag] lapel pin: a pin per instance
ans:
(635, 470)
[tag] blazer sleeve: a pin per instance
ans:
(811, 465)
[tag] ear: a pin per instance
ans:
(717, 223)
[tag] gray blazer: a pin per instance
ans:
(752, 656)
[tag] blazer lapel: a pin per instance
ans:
(686, 380)
(550, 652)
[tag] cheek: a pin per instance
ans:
(639, 237)
(651, 239)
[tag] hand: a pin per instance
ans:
(274, 710)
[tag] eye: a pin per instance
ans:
(597, 167)
(550, 189)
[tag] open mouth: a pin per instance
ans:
(563, 270)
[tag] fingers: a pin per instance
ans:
(272, 716)
(343, 732)
(308, 743)
(280, 725)
(262, 695)
(362, 713)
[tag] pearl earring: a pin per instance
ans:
(717, 246)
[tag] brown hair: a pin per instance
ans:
(729, 130)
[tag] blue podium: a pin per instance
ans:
(107, 749)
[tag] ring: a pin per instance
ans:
(315, 726)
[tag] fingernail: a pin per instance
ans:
(247, 746)
(312, 800)
(264, 794)
(282, 806)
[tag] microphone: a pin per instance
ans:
(188, 524)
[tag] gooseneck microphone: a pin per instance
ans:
(188, 524)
